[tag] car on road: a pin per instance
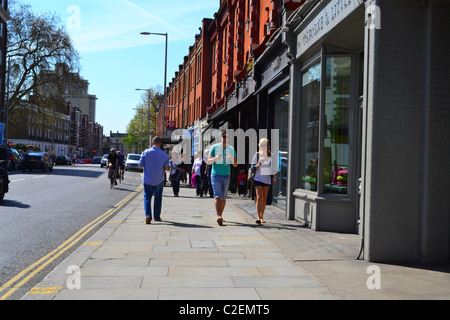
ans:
(132, 162)
(97, 160)
(37, 160)
(15, 159)
(103, 161)
(65, 160)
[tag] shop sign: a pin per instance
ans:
(328, 18)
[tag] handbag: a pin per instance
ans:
(252, 171)
(193, 180)
(251, 175)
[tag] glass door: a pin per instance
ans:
(281, 115)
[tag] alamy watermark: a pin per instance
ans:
(73, 22)
(373, 17)
(74, 280)
(238, 139)
(374, 280)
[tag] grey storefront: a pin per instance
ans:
(326, 86)
(368, 124)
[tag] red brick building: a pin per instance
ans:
(221, 60)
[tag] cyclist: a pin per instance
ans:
(112, 163)
(121, 162)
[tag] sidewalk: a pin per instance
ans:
(188, 256)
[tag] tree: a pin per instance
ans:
(37, 43)
(138, 127)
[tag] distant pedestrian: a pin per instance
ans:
(197, 173)
(265, 169)
(204, 177)
(175, 173)
(242, 183)
(221, 156)
(155, 162)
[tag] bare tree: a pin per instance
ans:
(37, 43)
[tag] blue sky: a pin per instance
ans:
(115, 58)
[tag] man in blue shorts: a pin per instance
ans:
(221, 156)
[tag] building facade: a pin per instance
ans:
(365, 94)
(354, 94)
(67, 133)
(86, 136)
(42, 128)
(61, 82)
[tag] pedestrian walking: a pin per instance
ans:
(263, 163)
(221, 156)
(204, 177)
(197, 173)
(155, 162)
(175, 173)
(242, 183)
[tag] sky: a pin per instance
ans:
(115, 58)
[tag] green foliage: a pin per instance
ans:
(143, 123)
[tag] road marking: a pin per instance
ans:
(17, 180)
(92, 243)
(44, 290)
(38, 177)
(36, 267)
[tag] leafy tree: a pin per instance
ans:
(143, 119)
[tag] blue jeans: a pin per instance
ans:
(148, 193)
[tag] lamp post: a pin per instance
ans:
(165, 77)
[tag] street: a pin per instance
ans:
(45, 216)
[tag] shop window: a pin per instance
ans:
(336, 152)
(309, 127)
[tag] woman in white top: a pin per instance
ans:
(196, 171)
(264, 165)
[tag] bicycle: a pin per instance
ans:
(112, 172)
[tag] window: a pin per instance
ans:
(225, 45)
(336, 124)
(199, 67)
(214, 57)
(310, 110)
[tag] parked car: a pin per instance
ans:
(37, 160)
(103, 161)
(132, 162)
(97, 160)
(15, 159)
(65, 160)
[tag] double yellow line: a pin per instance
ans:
(27, 274)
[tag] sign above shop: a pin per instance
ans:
(325, 20)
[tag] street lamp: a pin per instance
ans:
(165, 76)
